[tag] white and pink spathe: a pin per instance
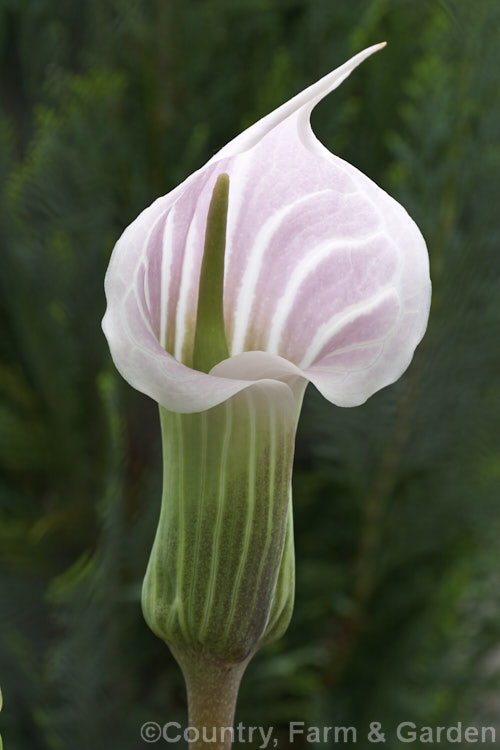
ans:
(326, 276)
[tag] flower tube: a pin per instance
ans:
(314, 274)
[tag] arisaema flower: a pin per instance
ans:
(274, 265)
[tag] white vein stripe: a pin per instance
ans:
(339, 321)
(185, 286)
(145, 317)
(145, 244)
(144, 264)
(302, 272)
(165, 275)
(252, 401)
(146, 285)
(271, 495)
(250, 277)
(237, 188)
(221, 501)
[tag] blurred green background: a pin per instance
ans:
(106, 104)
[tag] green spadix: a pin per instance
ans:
(210, 345)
